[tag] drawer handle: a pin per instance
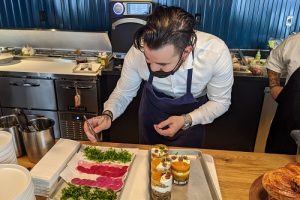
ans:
(78, 87)
(25, 84)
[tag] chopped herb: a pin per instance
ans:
(92, 153)
(73, 192)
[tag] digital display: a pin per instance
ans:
(138, 8)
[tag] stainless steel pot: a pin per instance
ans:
(38, 143)
(10, 124)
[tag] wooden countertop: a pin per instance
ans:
(236, 170)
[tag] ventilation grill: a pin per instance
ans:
(72, 130)
(71, 125)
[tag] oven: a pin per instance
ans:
(76, 98)
(126, 17)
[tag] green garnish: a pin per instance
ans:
(73, 192)
(92, 153)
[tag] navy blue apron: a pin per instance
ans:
(156, 107)
(286, 119)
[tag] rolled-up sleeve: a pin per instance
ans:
(218, 91)
(275, 60)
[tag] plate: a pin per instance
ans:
(257, 191)
(15, 181)
(5, 140)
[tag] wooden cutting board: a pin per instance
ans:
(257, 191)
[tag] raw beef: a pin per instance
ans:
(101, 182)
(102, 169)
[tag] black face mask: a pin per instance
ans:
(162, 74)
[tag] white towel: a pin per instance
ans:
(47, 170)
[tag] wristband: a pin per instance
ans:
(108, 113)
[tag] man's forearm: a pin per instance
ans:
(208, 112)
(274, 78)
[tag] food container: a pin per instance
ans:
(38, 143)
(10, 124)
(103, 59)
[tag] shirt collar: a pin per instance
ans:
(187, 64)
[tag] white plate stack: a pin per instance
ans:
(15, 183)
(45, 174)
(7, 150)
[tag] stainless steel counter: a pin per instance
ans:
(42, 68)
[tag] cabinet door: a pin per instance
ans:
(27, 93)
(66, 91)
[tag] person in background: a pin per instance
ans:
(285, 57)
(188, 74)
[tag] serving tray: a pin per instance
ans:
(57, 193)
(200, 185)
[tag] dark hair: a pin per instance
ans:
(167, 25)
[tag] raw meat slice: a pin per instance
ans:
(103, 170)
(101, 182)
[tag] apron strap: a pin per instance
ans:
(150, 79)
(189, 80)
(190, 77)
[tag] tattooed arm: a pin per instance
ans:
(274, 83)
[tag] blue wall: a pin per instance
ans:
(240, 23)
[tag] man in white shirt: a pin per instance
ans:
(285, 57)
(189, 80)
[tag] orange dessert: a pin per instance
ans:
(161, 185)
(180, 169)
(159, 151)
(161, 164)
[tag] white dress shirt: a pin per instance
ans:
(212, 75)
(286, 56)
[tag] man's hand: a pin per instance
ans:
(170, 126)
(275, 91)
(98, 123)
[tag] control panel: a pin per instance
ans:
(131, 9)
